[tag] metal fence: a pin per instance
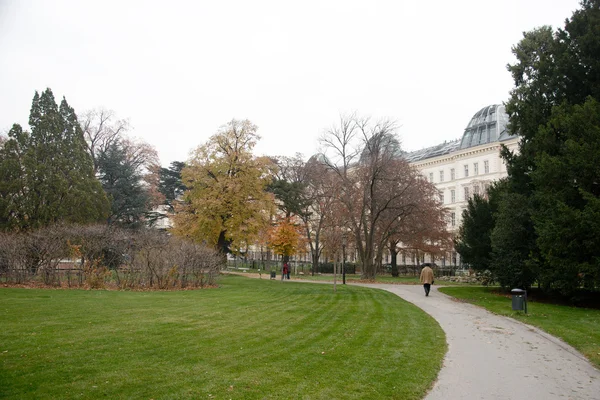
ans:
(305, 268)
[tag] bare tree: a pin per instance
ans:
(321, 184)
(378, 189)
(101, 128)
(103, 131)
(143, 157)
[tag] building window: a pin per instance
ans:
(486, 167)
(431, 177)
(441, 176)
(452, 196)
(476, 169)
(442, 197)
(466, 170)
(476, 190)
(452, 175)
(453, 219)
(466, 193)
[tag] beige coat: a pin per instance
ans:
(426, 275)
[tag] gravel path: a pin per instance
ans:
(494, 357)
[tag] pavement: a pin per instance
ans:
(494, 357)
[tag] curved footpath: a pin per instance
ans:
(494, 357)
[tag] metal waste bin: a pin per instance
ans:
(519, 300)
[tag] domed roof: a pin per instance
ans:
(488, 125)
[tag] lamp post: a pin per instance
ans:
(344, 259)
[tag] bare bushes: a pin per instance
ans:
(166, 262)
(14, 266)
(23, 256)
(99, 256)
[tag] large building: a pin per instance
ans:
(462, 168)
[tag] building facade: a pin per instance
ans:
(465, 167)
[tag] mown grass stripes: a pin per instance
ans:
(247, 339)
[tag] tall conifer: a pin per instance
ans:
(48, 176)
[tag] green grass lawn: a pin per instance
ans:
(247, 339)
(410, 280)
(580, 327)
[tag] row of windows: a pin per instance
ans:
(466, 191)
(486, 170)
(414, 259)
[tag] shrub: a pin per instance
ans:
(102, 255)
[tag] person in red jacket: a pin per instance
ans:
(286, 272)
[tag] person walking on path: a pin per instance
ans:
(426, 278)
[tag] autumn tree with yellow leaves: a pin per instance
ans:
(225, 204)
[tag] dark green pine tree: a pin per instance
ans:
(87, 200)
(554, 108)
(49, 174)
(567, 192)
(123, 184)
(171, 185)
(512, 263)
(291, 196)
(13, 181)
(473, 242)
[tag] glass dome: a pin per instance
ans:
(488, 125)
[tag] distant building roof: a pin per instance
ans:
(488, 125)
(434, 151)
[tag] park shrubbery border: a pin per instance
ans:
(102, 256)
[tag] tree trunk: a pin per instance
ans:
(394, 256)
(223, 247)
(316, 254)
(335, 267)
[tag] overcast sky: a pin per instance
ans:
(180, 69)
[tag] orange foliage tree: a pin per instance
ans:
(285, 238)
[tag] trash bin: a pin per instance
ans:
(519, 300)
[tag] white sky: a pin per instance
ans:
(180, 69)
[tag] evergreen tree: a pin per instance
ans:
(123, 185)
(567, 192)
(47, 174)
(553, 107)
(170, 184)
(13, 186)
(291, 196)
(473, 241)
(511, 241)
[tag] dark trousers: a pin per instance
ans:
(427, 287)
